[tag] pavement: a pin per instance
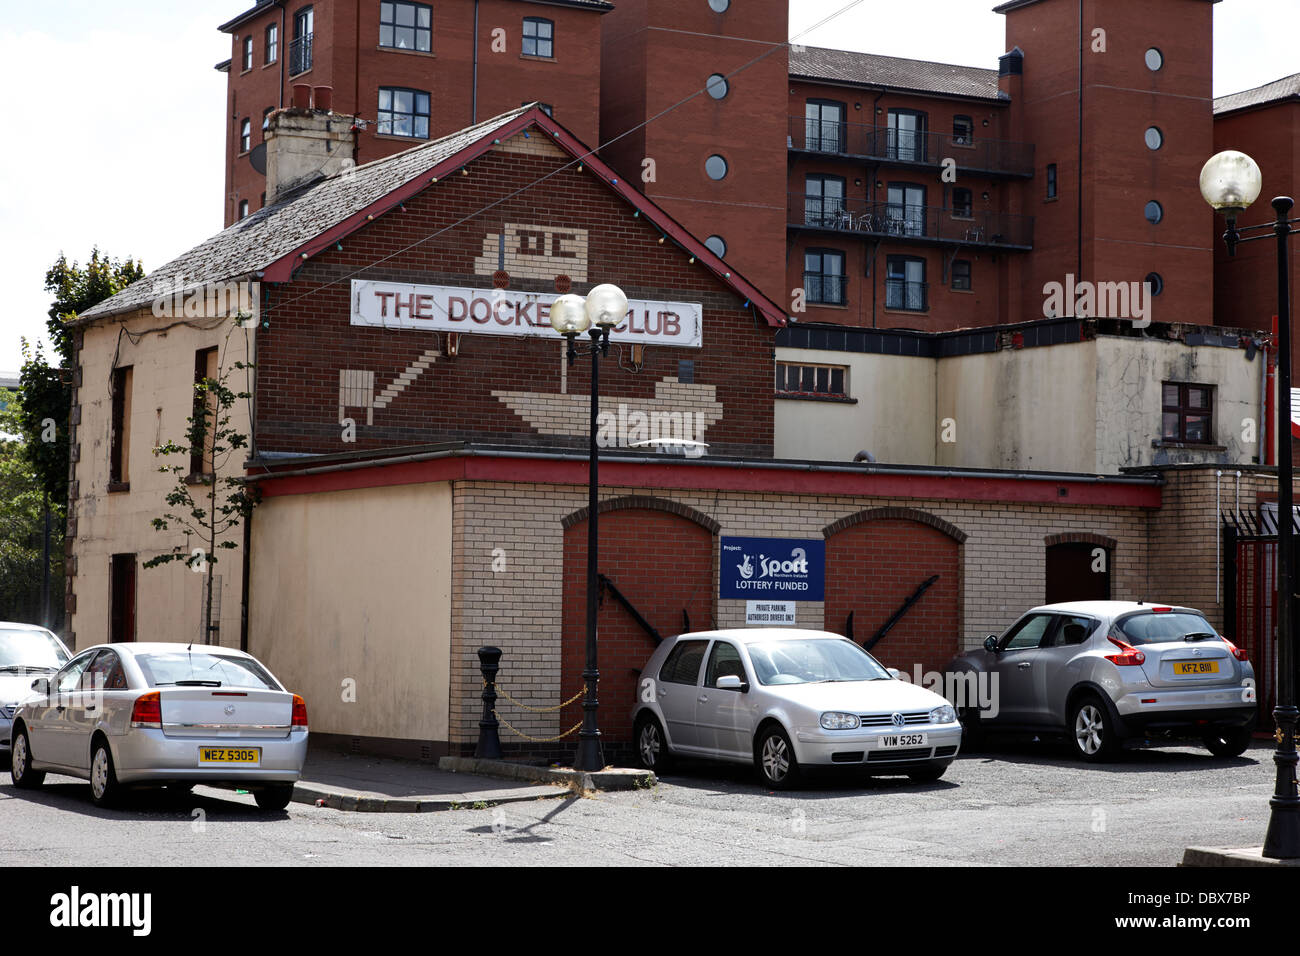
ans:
(389, 785)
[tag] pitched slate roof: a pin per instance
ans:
(871, 69)
(271, 242)
(272, 232)
(1286, 88)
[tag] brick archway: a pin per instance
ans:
(661, 559)
(875, 560)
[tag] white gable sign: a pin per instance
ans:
(437, 308)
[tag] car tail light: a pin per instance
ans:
(147, 711)
(1131, 656)
(1237, 652)
(299, 712)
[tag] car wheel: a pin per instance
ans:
(1228, 742)
(274, 797)
(104, 789)
(774, 757)
(927, 774)
(651, 746)
(20, 768)
(1090, 730)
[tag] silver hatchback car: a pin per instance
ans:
(126, 715)
(784, 699)
(1110, 673)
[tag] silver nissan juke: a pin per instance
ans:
(1108, 674)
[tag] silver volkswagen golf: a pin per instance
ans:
(125, 715)
(1111, 673)
(784, 699)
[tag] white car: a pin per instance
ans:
(783, 699)
(126, 715)
(26, 651)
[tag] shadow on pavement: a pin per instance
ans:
(1166, 757)
(67, 793)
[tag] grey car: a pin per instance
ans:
(26, 652)
(1112, 673)
(129, 715)
(785, 700)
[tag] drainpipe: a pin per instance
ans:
(473, 107)
(871, 191)
(1263, 436)
(1079, 173)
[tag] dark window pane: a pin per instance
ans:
(1170, 428)
(837, 381)
(1198, 428)
(1170, 396)
(1198, 398)
(823, 380)
(808, 383)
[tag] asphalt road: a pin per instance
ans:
(1023, 804)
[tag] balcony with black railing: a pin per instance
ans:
(916, 148)
(300, 54)
(907, 295)
(905, 222)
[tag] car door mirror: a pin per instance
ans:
(732, 682)
(991, 644)
(41, 685)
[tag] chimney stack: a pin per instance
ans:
(306, 142)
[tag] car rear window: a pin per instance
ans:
(1155, 628)
(30, 648)
(203, 668)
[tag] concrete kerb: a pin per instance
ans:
(1217, 856)
(342, 800)
(578, 781)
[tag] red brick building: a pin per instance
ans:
(856, 189)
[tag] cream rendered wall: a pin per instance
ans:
(168, 598)
(1027, 409)
(1091, 407)
(357, 585)
(893, 417)
(1129, 375)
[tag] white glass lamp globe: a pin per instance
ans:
(606, 305)
(1231, 181)
(568, 315)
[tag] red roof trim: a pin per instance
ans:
(1084, 491)
(282, 269)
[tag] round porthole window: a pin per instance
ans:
(716, 167)
(1154, 138)
(719, 6)
(718, 86)
(1154, 212)
(1155, 59)
(717, 245)
(1156, 283)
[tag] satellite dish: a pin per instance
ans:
(257, 158)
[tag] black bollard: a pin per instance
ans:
(489, 742)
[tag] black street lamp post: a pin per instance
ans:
(604, 307)
(1230, 182)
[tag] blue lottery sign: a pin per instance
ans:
(786, 569)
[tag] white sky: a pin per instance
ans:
(116, 117)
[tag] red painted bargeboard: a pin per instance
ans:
(716, 477)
